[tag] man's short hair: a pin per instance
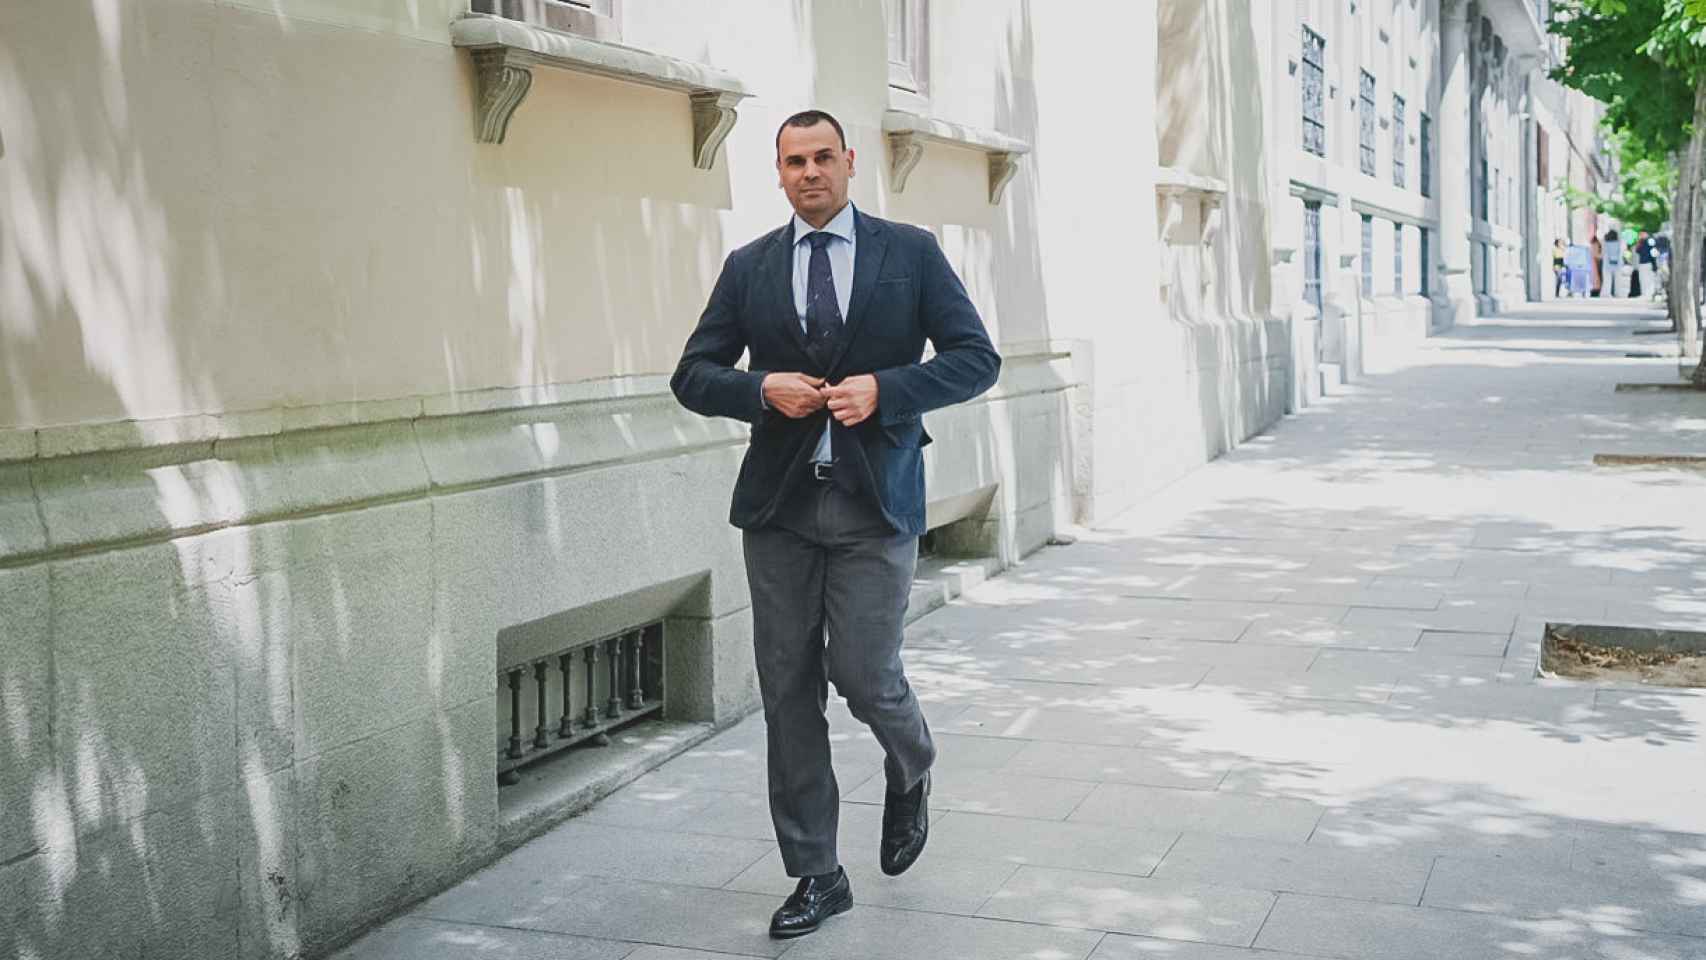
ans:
(810, 118)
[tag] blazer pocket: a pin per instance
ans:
(907, 434)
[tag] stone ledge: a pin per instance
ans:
(160, 485)
(506, 51)
(907, 133)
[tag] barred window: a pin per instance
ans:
(1427, 266)
(1398, 172)
(1397, 259)
(1427, 136)
(1312, 256)
(1313, 76)
(1365, 111)
(1367, 255)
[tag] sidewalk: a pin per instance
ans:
(1288, 706)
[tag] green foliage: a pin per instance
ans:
(1645, 187)
(1629, 54)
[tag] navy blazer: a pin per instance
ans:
(904, 293)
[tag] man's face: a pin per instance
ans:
(814, 170)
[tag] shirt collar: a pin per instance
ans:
(841, 225)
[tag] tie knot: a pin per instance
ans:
(820, 239)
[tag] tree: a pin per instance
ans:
(1646, 60)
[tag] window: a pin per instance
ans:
(1427, 133)
(908, 43)
(1398, 172)
(1312, 256)
(1365, 115)
(1367, 255)
(599, 19)
(1542, 158)
(1427, 263)
(1313, 77)
(1397, 259)
(1482, 186)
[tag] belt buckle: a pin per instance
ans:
(823, 472)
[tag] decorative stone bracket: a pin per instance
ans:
(505, 52)
(1176, 188)
(908, 132)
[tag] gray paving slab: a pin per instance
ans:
(1350, 928)
(601, 850)
(1332, 635)
(992, 791)
(1227, 814)
(1630, 853)
(412, 939)
(1050, 843)
(1465, 644)
(1449, 616)
(1310, 685)
(1466, 830)
(1064, 725)
(724, 921)
(1297, 868)
(1508, 889)
(673, 953)
(879, 933)
(1150, 767)
(1119, 946)
(1121, 904)
(937, 883)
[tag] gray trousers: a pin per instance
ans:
(830, 561)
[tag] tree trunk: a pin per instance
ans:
(1685, 246)
(1690, 316)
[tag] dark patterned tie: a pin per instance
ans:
(823, 310)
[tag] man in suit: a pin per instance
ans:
(833, 310)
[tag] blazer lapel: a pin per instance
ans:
(867, 263)
(779, 261)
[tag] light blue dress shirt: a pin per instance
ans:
(840, 252)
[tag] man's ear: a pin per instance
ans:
(850, 170)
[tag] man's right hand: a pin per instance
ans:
(794, 394)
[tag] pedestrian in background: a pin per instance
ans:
(1596, 264)
(1613, 264)
(1560, 273)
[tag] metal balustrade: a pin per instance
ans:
(578, 695)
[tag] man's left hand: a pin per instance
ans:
(852, 400)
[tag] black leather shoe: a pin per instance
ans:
(815, 900)
(906, 825)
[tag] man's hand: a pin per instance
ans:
(853, 399)
(794, 394)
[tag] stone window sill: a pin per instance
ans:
(907, 133)
(505, 53)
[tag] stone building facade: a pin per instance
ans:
(338, 474)
(1406, 157)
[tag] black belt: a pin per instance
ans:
(823, 472)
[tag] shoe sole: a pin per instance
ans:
(836, 910)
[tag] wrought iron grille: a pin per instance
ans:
(1367, 255)
(1365, 117)
(1313, 77)
(1397, 259)
(1312, 256)
(1427, 137)
(1398, 151)
(578, 695)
